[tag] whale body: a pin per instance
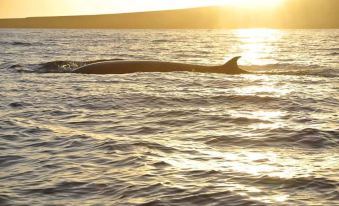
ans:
(124, 67)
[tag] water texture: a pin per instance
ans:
(180, 138)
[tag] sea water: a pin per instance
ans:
(179, 138)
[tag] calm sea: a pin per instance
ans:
(267, 138)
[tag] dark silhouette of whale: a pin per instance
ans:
(124, 67)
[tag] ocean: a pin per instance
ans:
(178, 138)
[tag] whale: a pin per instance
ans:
(125, 67)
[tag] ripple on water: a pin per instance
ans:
(69, 188)
(168, 139)
(309, 138)
(297, 183)
(205, 198)
(8, 160)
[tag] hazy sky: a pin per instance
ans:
(28, 8)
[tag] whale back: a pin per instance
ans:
(123, 67)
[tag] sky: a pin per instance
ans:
(32, 8)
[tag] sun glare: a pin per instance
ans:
(25, 8)
(251, 3)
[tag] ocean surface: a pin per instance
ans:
(180, 138)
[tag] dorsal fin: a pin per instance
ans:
(232, 64)
(231, 67)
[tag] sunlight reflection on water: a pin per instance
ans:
(174, 138)
(257, 44)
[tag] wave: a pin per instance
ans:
(129, 193)
(19, 43)
(328, 49)
(293, 69)
(5, 199)
(160, 41)
(202, 197)
(299, 183)
(334, 54)
(69, 188)
(10, 159)
(305, 138)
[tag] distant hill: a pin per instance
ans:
(292, 14)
